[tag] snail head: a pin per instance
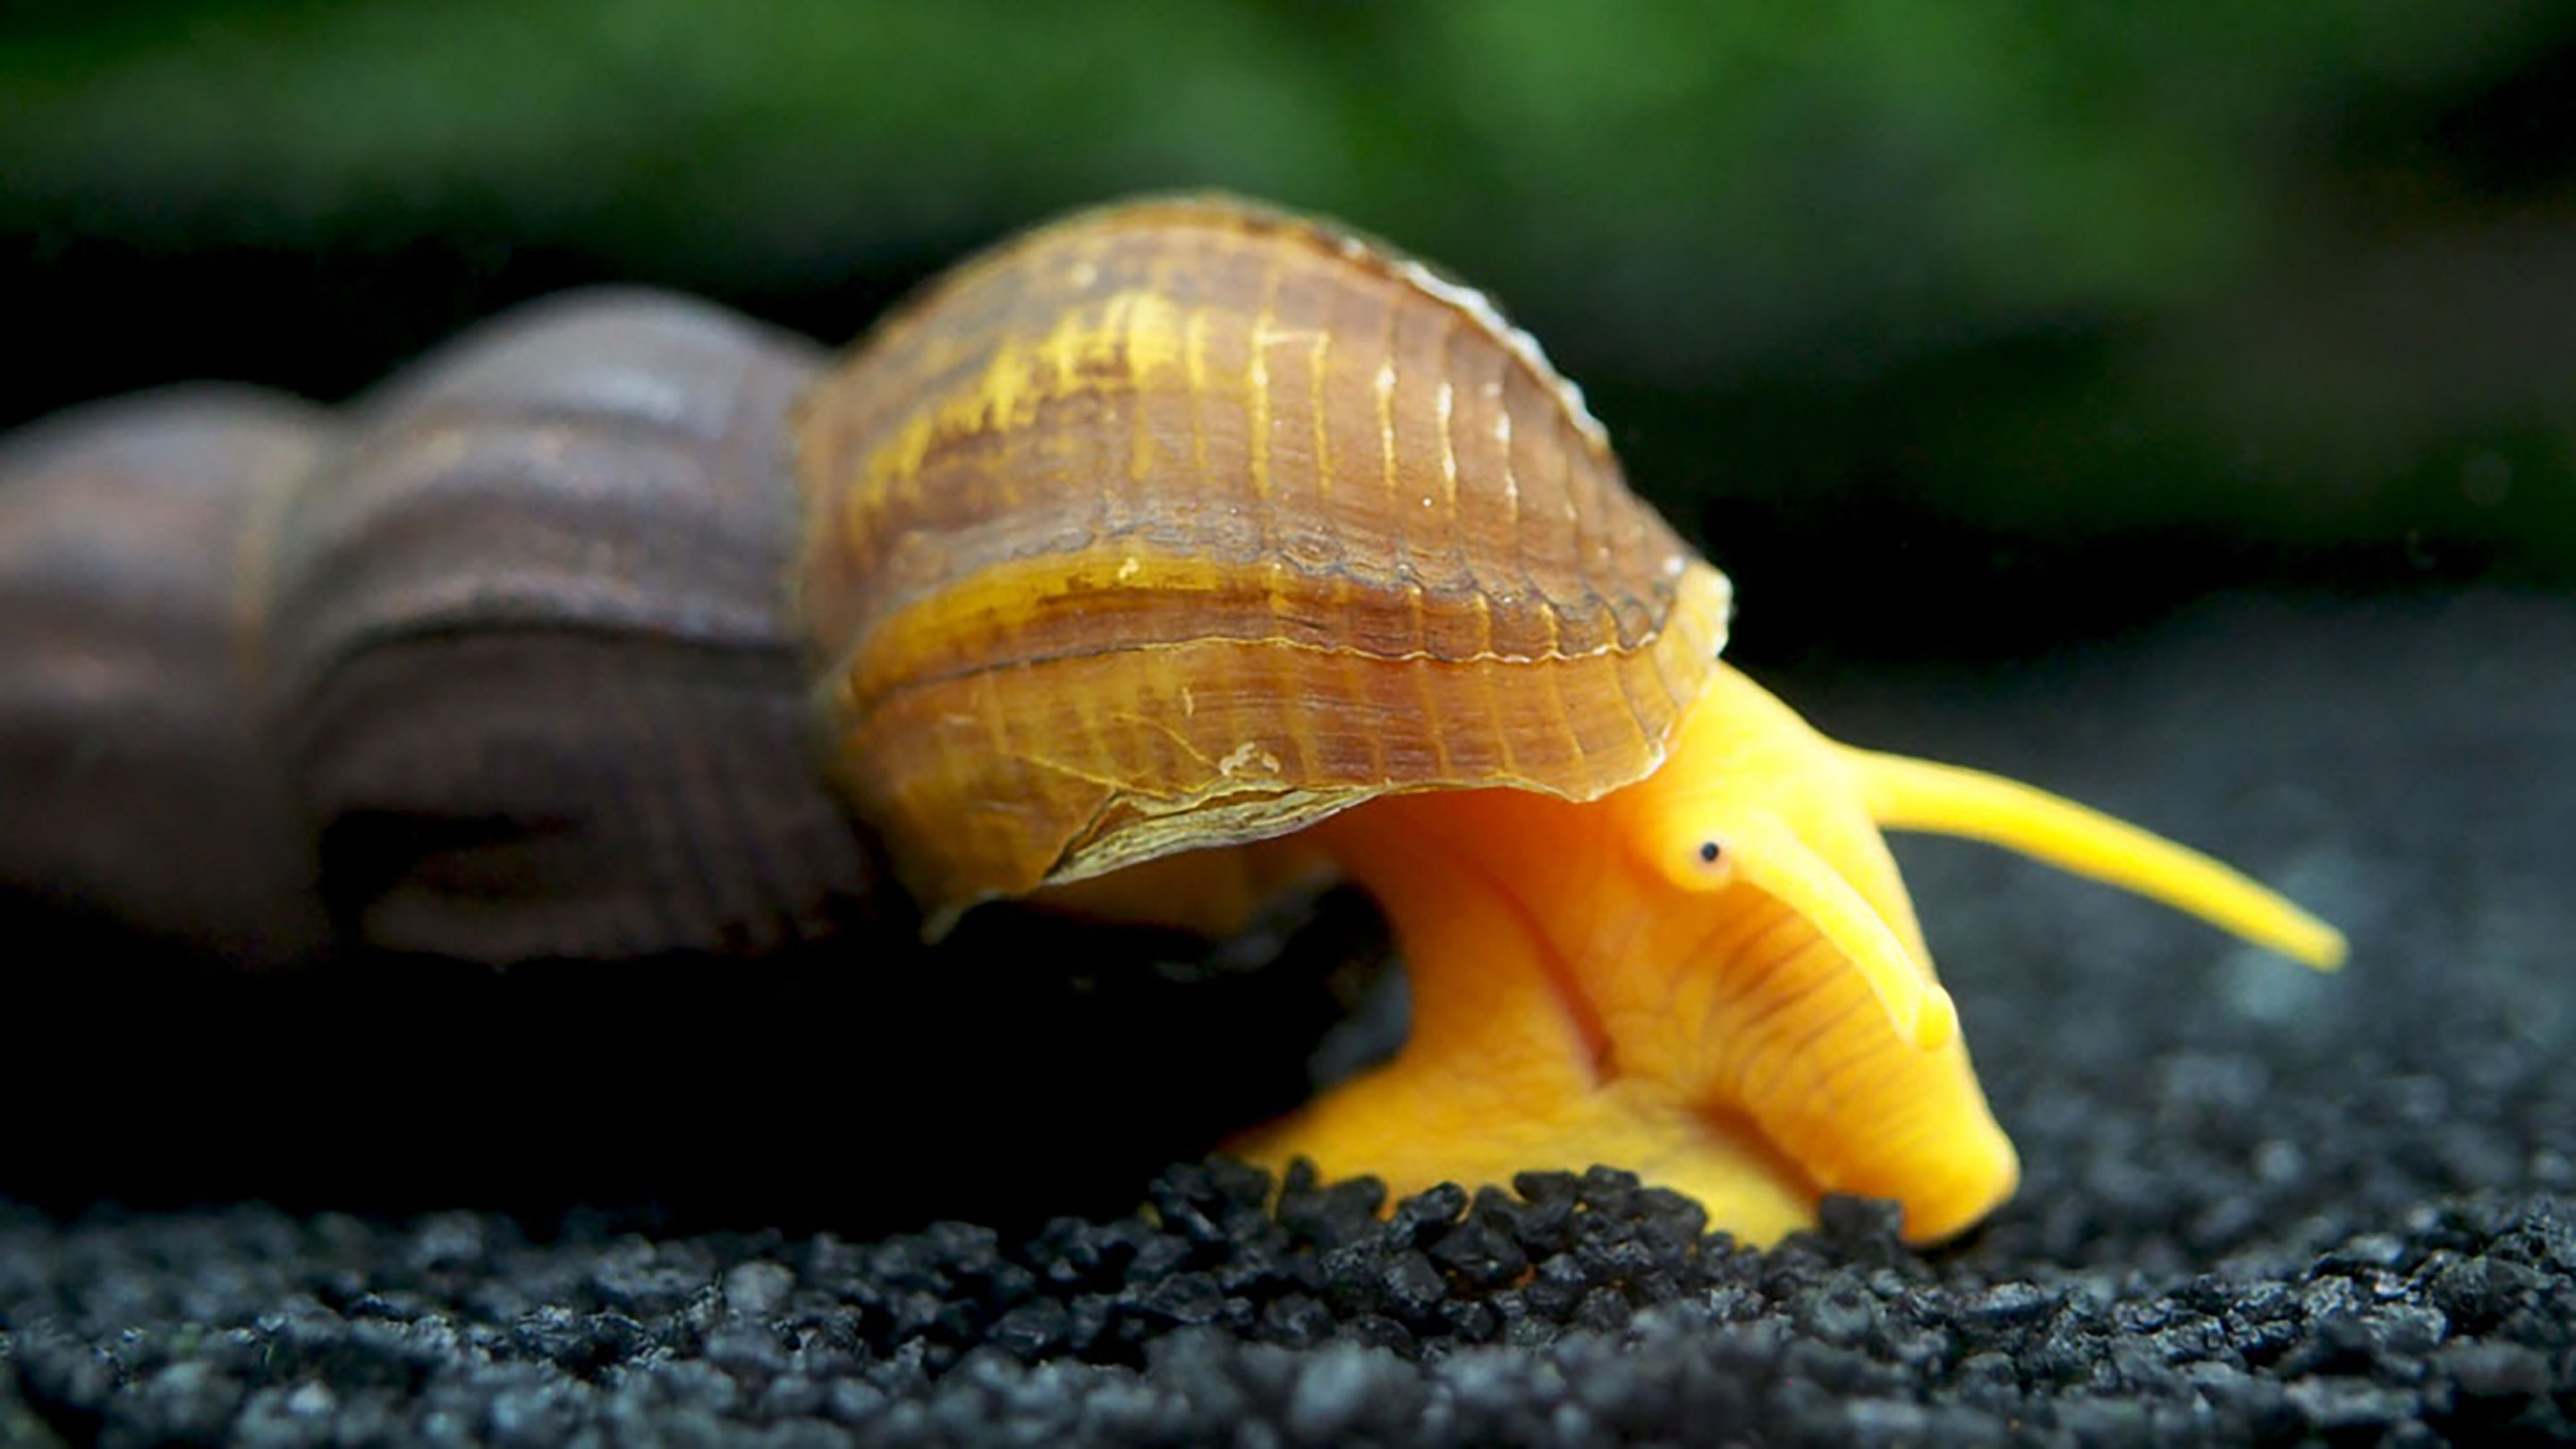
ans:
(1713, 976)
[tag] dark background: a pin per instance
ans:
(1960, 306)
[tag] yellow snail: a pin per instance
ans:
(1146, 561)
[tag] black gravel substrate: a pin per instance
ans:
(2259, 1205)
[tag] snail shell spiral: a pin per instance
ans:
(1177, 524)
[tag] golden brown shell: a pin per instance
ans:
(1186, 523)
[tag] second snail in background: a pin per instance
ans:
(1165, 553)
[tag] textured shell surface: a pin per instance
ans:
(1185, 523)
(533, 669)
(134, 766)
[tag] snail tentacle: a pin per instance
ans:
(1910, 794)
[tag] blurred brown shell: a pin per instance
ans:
(534, 675)
(1187, 523)
(136, 774)
(495, 662)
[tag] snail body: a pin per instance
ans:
(1153, 554)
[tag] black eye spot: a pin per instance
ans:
(1708, 852)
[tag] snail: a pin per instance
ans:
(1166, 553)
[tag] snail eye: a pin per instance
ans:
(1708, 863)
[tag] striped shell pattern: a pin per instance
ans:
(1186, 523)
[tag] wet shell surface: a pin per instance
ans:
(1185, 523)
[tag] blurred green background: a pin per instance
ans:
(1960, 326)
